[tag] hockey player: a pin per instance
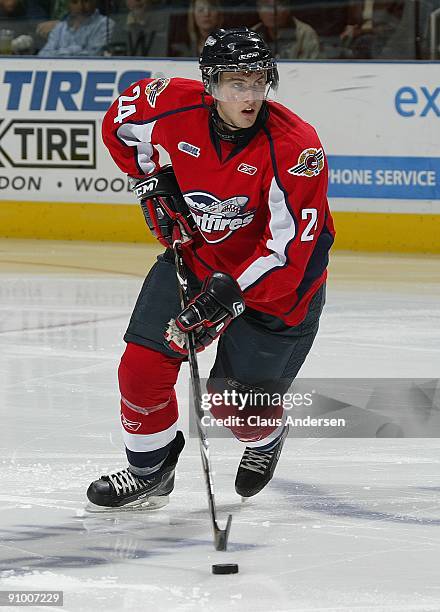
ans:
(255, 229)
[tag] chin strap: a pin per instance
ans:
(241, 135)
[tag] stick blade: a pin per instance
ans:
(221, 535)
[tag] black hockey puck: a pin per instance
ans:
(225, 568)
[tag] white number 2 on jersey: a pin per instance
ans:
(125, 109)
(311, 225)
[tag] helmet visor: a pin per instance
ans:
(240, 86)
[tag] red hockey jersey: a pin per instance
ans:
(262, 209)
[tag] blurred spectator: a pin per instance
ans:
(371, 27)
(203, 17)
(354, 23)
(84, 31)
(412, 37)
(145, 31)
(58, 10)
(288, 37)
(17, 21)
(21, 9)
(328, 18)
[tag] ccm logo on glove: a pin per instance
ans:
(208, 314)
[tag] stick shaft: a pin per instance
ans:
(220, 535)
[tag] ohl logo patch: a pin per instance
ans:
(310, 163)
(154, 89)
(217, 219)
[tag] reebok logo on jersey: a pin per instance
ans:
(216, 219)
(154, 89)
(247, 169)
(189, 148)
(310, 163)
(130, 425)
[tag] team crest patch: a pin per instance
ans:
(154, 89)
(218, 219)
(247, 169)
(186, 147)
(310, 163)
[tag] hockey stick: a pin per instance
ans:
(220, 535)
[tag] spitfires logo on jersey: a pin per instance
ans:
(310, 163)
(154, 89)
(218, 219)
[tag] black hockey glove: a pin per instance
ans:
(165, 210)
(208, 315)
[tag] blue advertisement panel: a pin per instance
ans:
(404, 178)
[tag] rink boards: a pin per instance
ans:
(379, 124)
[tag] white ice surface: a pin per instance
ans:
(346, 524)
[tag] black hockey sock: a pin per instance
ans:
(145, 464)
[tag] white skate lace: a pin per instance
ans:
(256, 461)
(125, 482)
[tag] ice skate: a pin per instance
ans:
(257, 468)
(123, 490)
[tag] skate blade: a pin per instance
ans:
(143, 505)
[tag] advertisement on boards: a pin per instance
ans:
(379, 126)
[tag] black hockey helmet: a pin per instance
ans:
(237, 49)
